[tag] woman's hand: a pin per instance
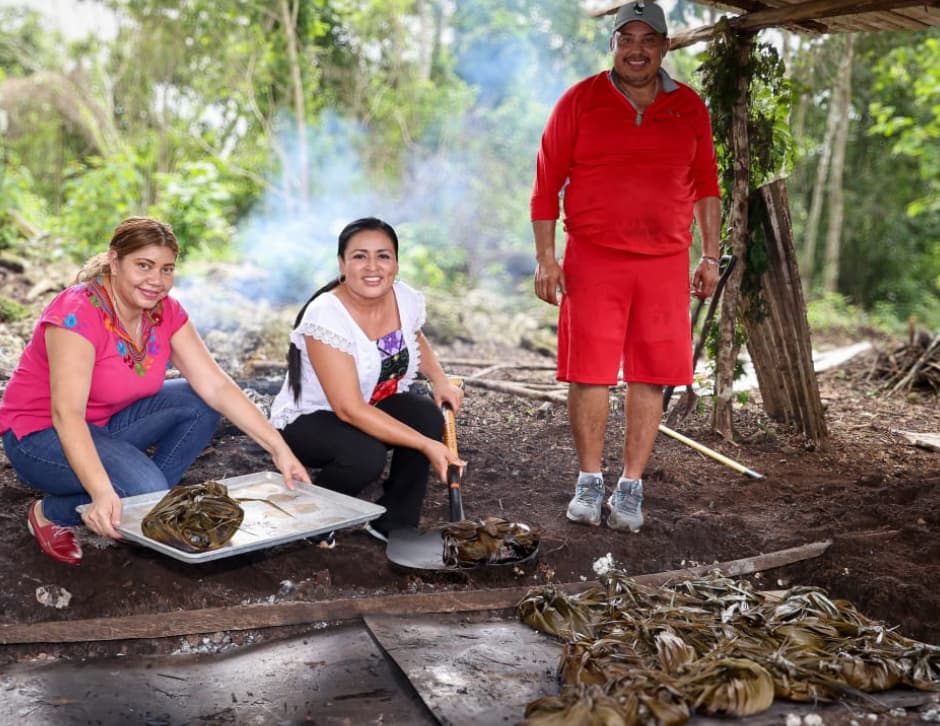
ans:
(442, 457)
(103, 515)
(447, 392)
(289, 466)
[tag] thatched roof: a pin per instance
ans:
(815, 16)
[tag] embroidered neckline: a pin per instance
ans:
(149, 318)
(137, 357)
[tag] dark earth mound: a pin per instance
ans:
(869, 490)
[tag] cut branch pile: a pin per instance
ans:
(528, 387)
(912, 366)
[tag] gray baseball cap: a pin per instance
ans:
(649, 13)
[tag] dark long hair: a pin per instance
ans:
(349, 231)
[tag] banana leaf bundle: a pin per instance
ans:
(491, 541)
(198, 518)
(554, 612)
(636, 654)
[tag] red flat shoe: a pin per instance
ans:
(57, 542)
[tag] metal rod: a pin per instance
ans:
(710, 452)
(727, 262)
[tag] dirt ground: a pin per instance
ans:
(876, 496)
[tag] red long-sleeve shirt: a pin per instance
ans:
(632, 180)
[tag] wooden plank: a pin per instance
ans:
(254, 617)
(819, 10)
(924, 440)
(779, 342)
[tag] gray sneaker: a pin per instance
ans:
(588, 500)
(626, 505)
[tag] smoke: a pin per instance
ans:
(460, 205)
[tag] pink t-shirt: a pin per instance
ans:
(122, 374)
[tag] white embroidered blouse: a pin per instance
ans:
(327, 320)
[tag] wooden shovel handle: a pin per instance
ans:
(450, 428)
(453, 471)
(450, 420)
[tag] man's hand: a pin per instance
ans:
(549, 280)
(705, 279)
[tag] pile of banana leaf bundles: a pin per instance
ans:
(198, 518)
(490, 541)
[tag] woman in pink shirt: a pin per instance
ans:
(89, 398)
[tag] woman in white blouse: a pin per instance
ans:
(355, 351)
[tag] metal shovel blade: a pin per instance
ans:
(416, 550)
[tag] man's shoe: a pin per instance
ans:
(588, 500)
(57, 542)
(626, 505)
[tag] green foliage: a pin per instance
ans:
(17, 197)
(908, 113)
(889, 251)
(99, 194)
(191, 114)
(23, 38)
(769, 142)
(427, 261)
(834, 312)
(196, 203)
(11, 311)
(770, 145)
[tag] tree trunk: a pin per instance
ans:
(289, 12)
(779, 339)
(842, 100)
(811, 233)
(727, 340)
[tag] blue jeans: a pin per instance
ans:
(175, 421)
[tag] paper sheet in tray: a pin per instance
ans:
(313, 510)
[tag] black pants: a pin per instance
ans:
(350, 460)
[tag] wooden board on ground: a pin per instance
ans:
(471, 670)
(922, 439)
(249, 617)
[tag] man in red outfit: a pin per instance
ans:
(633, 151)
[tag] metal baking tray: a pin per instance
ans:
(313, 510)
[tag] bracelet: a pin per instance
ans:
(709, 260)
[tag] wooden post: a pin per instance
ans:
(738, 226)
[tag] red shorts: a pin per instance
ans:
(624, 308)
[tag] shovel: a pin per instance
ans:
(727, 263)
(412, 549)
(425, 550)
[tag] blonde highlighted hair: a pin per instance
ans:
(132, 234)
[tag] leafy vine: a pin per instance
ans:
(770, 144)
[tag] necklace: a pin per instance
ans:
(624, 89)
(120, 317)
